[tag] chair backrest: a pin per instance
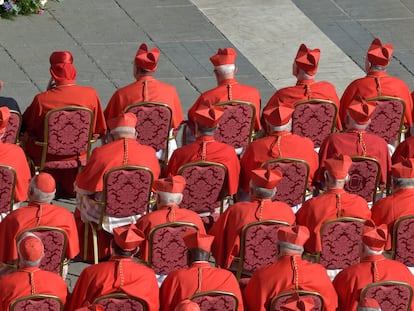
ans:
(121, 302)
(13, 128)
(236, 126)
(292, 187)
(127, 191)
(364, 177)
(258, 245)
(37, 302)
(7, 187)
(67, 133)
(340, 242)
(387, 121)
(54, 241)
(315, 119)
(216, 300)
(154, 124)
(279, 300)
(206, 185)
(403, 240)
(391, 295)
(167, 251)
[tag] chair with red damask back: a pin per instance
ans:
(364, 177)
(292, 187)
(7, 186)
(127, 191)
(403, 240)
(315, 119)
(12, 133)
(216, 300)
(205, 190)
(121, 302)
(37, 302)
(390, 295)
(67, 138)
(279, 300)
(154, 125)
(236, 126)
(54, 241)
(167, 251)
(387, 121)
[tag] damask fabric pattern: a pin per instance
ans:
(38, 304)
(314, 120)
(278, 303)
(404, 242)
(54, 247)
(216, 302)
(391, 297)
(340, 244)
(7, 182)
(363, 177)
(12, 129)
(116, 304)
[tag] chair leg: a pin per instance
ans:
(85, 241)
(95, 244)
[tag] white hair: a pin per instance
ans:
(28, 263)
(280, 128)
(260, 192)
(403, 182)
(369, 251)
(122, 130)
(352, 124)
(290, 246)
(225, 69)
(35, 194)
(168, 198)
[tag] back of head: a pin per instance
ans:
(403, 174)
(61, 66)
(4, 119)
(146, 60)
(307, 60)
(337, 169)
(198, 245)
(170, 189)
(291, 239)
(30, 250)
(224, 63)
(359, 113)
(263, 182)
(368, 304)
(123, 126)
(379, 54)
(127, 239)
(279, 116)
(42, 188)
(187, 305)
(373, 238)
(207, 116)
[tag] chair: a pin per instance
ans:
(154, 125)
(67, 138)
(403, 240)
(391, 295)
(167, 251)
(7, 187)
(205, 190)
(258, 246)
(279, 300)
(121, 302)
(12, 133)
(340, 242)
(216, 300)
(236, 126)
(54, 241)
(293, 185)
(37, 302)
(387, 121)
(315, 119)
(364, 177)
(127, 191)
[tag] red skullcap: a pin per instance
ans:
(4, 119)
(172, 184)
(44, 182)
(124, 120)
(369, 304)
(30, 248)
(265, 178)
(187, 305)
(299, 304)
(296, 235)
(404, 169)
(194, 239)
(224, 57)
(338, 166)
(61, 66)
(374, 237)
(128, 237)
(207, 115)
(145, 59)
(280, 114)
(361, 110)
(379, 54)
(307, 59)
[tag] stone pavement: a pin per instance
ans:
(103, 36)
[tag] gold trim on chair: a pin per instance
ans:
(13, 189)
(217, 293)
(394, 233)
(119, 295)
(299, 292)
(36, 297)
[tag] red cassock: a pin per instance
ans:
(145, 89)
(376, 84)
(316, 211)
(228, 227)
(116, 275)
(280, 277)
(34, 215)
(289, 146)
(15, 157)
(403, 151)
(28, 281)
(227, 90)
(348, 143)
(350, 281)
(163, 215)
(305, 90)
(215, 152)
(184, 283)
(389, 209)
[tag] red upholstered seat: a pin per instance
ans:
(315, 119)
(37, 302)
(292, 187)
(340, 242)
(387, 121)
(279, 300)
(391, 295)
(364, 177)
(13, 128)
(167, 251)
(403, 240)
(236, 126)
(7, 186)
(216, 301)
(154, 124)
(121, 302)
